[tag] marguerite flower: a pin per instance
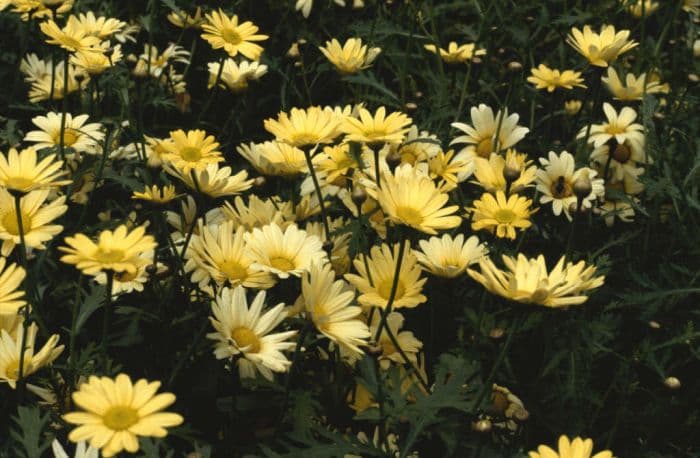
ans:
(544, 77)
(100, 27)
(449, 257)
(186, 20)
(275, 158)
(489, 173)
(378, 129)
(328, 304)
(485, 137)
(351, 57)
(257, 212)
(283, 253)
(22, 172)
(11, 297)
(82, 450)
(528, 281)
(11, 352)
(245, 333)
(191, 150)
(225, 32)
(577, 448)
(374, 280)
(235, 76)
(116, 412)
(456, 54)
(600, 49)
(619, 127)
(304, 127)
(634, 87)
(213, 180)
(78, 134)
(500, 215)
(406, 340)
(156, 194)
(72, 37)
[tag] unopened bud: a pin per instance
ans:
(496, 333)
(511, 173)
(79, 77)
(259, 181)
(693, 78)
(411, 106)
(482, 426)
(654, 325)
(477, 60)
(672, 383)
(572, 107)
(515, 66)
(359, 195)
(582, 186)
(151, 269)
(393, 159)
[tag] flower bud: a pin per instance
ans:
(582, 186)
(259, 181)
(572, 107)
(511, 173)
(393, 159)
(482, 426)
(359, 195)
(672, 383)
(515, 66)
(496, 333)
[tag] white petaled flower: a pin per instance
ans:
(406, 340)
(283, 253)
(82, 450)
(484, 136)
(621, 159)
(328, 303)
(246, 333)
(235, 76)
(213, 180)
(78, 134)
(556, 183)
(449, 257)
(620, 127)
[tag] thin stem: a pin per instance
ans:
(74, 334)
(463, 93)
(26, 308)
(317, 187)
(377, 174)
(214, 90)
(61, 145)
(108, 313)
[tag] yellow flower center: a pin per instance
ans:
(191, 154)
(282, 264)
(9, 222)
(622, 153)
(12, 368)
(245, 337)
(505, 216)
(561, 188)
(484, 148)
(19, 183)
(614, 129)
(108, 255)
(119, 418)
(409, 216)
(231, 36)
(233, 270)
(384, 289)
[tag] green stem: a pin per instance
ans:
(214, 90)
(108, 314)
(74, 334)
(26, 308)
(61, 145)
(317, 187)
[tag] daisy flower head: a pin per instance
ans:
(100, 27)
(406, 340)
(351, 57)
(128, 282)
(329, 304)
(642, 8)
(620, 127)
(119, 250)
(186, 20)
(374, 281)
(96, 62)
(257, 212)
(378, 129)
(556, 179)
(78, 134)
(22, 172)
(235, 76)
(191, 150)
(484, 137)
(217, 253)
(11, 353)
(245, 333)
(456, 54)
(72, 37)
(283, 253)
(35, 216)
(222, 31)
(213, 180)
(500, 215)
(600, 48)
(633, 88)
(115, 412)
(489, 173)
(448, 256)
(577, 448)
(550, 79)
(155, 194)
(82, 450)
(304, 127)
(528, 281)
(409, 197)
(450, 169)
(11, 297)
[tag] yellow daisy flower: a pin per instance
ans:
(41, 82)
(374, 281)
(489, 172)
(528, 281)
(328, 304)
(34, 9)
(275, 158)
(620, 127)
(156, 194)
(603, 48)
(340, 260)
(304, 127)
(116, 412)
(11, 352)
(500, 215)
(217, 253)
(419, 146)
(642, 8)
(449, 257)
(283, 253)
(235, 76)
(456, 54)
(96, 62)
(36, 216)
(225, 32)
(410, 197)
(451, 169)
(577, 448)
(191, 150)
(213, 180)
(634, 88)
(351, 57)
(245, 333)
(127, 282)
(11, 297)
(378, 129)
(22, 172)
(118, 250)
(406, 340)
(100, 27)
(186, 20)
(72, 37)
(544, 77)
(257, 212)
(483, 136)
(79, 135)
